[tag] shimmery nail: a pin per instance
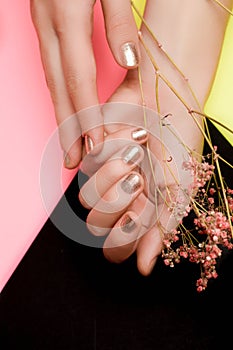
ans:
(139, 134)
(131, 154)
(66, 159)
(129, 55)
(131, 184)
(88, 144)
(127, 224)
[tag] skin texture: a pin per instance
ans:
(69, 63)
(192, 33)
(194, 42)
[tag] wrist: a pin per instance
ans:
(192, 37)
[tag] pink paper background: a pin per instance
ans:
(27, 122)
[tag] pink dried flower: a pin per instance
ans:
(212, 191)
(211, 200)
(212, 222)
(201, 172)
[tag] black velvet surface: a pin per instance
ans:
(64, 295)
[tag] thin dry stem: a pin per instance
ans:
(197, 207)
(223, 7)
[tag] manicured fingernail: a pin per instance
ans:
(127, 224)
(88, 144)
(131, 184)
(131, 154)
(129, 55)
(66, 159)
(139, 134)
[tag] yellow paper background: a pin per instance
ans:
(219, 104)
(140, 5)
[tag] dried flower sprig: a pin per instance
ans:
(210, 199)
(203, 244)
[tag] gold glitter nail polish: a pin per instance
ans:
(88, 144)
(139, 134)
(129, 55)
(127, 224)
(131, 184)
(131, 154)
(66, 159)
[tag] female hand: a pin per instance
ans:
(64, 30)
(157, 207)
(130, 202)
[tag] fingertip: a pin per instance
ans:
(94, 141)
(145, 267)
(122, 240)
(83, 201)
(69, 162)
(129, 56)
(97, 230)
(125, 232)
(140, 135)
(130, 223)
(149, 249)
(122, 33)
(72, 158)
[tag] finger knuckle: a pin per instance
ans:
(118, 23)
(69, 15)
(63, 17)
(73, 82)
(52, 86)
(35, 13)
(77, 81)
